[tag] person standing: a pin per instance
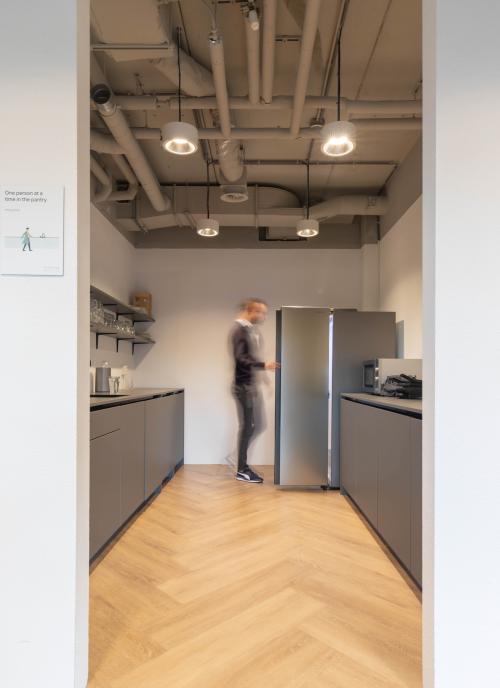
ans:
(244, 341)
(26, 239)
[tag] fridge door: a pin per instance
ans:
(302, 397)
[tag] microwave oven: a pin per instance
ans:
(377, 370)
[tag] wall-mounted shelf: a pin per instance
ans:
(120, 307)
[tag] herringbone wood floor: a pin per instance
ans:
(224, 584)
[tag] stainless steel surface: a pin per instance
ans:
(102, 375)
(303, 393)
(376, 371)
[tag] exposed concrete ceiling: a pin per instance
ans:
(381, 61)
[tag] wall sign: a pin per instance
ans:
(31, 230)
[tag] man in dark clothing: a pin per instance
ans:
(244, 344)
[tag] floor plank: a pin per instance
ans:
(220, 583)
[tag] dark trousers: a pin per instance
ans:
(250, 416)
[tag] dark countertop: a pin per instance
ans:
(412, 407)
(139, 394)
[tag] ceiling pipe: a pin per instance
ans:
(104, 180)
(118, 126)
(350, 107)
(133, 183)
(219, 76)
(253, 66)
(389, 124)
(104, 143)
(309, 31)
(268, 44)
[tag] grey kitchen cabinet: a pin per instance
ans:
(132, 457)
(105, 489)
(179, 427)
(349, 446)
(369, 420)
(160, 440)
(416, 498)
(394, 484)
(381, 471)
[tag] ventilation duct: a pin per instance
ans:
(265, 207)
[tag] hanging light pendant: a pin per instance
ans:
(338, 138)
(180, 138)
(207, 226)
(308, 227)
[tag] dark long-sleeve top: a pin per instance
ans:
(245, 361)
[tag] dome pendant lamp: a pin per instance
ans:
(338, 138)
(308, 227)
(180, 138)
(207, 226)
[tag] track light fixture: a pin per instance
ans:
(338, 138)
(308, 227)
(207, 226)
(180, 138)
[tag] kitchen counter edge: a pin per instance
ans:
(135, 395)
(410, 407)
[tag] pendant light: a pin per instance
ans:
(180, 138)
(307, 227)
(207, 226)
(339, 138)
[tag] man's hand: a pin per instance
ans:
(271, 365)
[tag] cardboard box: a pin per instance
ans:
(144, 300)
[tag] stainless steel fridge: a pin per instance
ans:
(321, 352)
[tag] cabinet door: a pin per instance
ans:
(394, 484)
(132, 458)
(160, 449)
(105, 516)
(348, 447)
(367, 429)
(416, 498)
(179, 427)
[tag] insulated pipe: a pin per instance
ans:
(253, 67)
(349, 205)
(104, 180)
(351, 107)
(230, 162)
(268, 44)
(306, 54)
(118, 126)
(390, 124)
(103, 143)
(133, 184)
(219, 75)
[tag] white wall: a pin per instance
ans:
(44, 413)
(461, 467)
(111, 257)
(194, 298)
(112, 265)
(400, 255)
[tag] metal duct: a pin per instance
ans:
(118, 126)
(253, 67)
(267, 209)
(230, 161)
(309, 31)
(133, 184)
(219, 75)
(103, 143)
(268, 45)
(349, 205)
